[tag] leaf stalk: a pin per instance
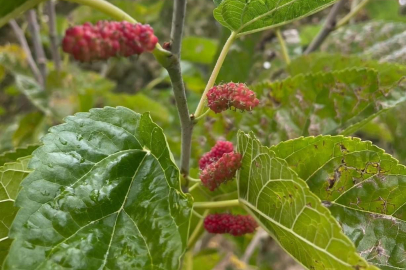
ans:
(215, 73)
(215, 205)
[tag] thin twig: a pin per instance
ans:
(178, 85)
(53, 34)
(36, 40)
(328, 27)
(23, 42)
(179, 91)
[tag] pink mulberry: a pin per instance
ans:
(236, 225)
(89, 42)
(221, 171)
(237, 95)
(215, 153)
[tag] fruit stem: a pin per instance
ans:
(215, 73)
(214, 205)
(106, 8)
(202, 115)
(196, 180)
(193, 187)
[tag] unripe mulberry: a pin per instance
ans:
(236, 225)
(221, 171)
(237, 95)
(215, 153)
(106, 39)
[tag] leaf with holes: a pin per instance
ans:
(11, 175)
(326, 103)
(285, 207)
(389, 73)
(245, 17)
(363, 187)
(380, 40)
(104, 194)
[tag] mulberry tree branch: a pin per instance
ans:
(53, 35)
(175, 74)
(178, 22)
(23, 42)
(328, 27)
(332, 24)
(36, 40)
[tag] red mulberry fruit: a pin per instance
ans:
(221, 171)
(215, 153)
(89, 42)
(237, 95)
(236, 225)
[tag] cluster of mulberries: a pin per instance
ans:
(226, 96)
(219, 165)
(106, 39)
(221, 171)
(215, 153)
(236, 225)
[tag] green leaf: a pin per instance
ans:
(11, 9)
(245, 17)
(392, 10)
(363, 187)
(389, 73)
(285, 207)
(326, 103)
(11, 175)
(217, 2)
(198, 49)
(13, 59)
(13, 155)
(34, 92)
(30, 129)
(104, 194)
(139, 103)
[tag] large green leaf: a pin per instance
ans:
(11, 175)
(13, 155)
(363, 187)
(324, 103)
(284, 206)
(105, 194)
(389, 73)
(11, 9)
(245, 17)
